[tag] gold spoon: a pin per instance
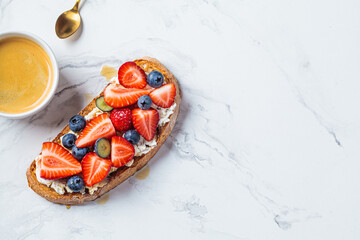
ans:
(68, 22)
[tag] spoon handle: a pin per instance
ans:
(76, 6)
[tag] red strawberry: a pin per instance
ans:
(98, 127)
(118, 97)
(145, 122)
(164, 96)
(121, 119)
(122, 151)
(57, 162)
(131, 75)
(94, 168)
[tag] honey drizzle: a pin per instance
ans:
(89, 97)
(143, 173)
(108, 72)
(104, 199)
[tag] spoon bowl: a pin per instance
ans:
(68, 22)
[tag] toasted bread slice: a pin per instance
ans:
(123, 173)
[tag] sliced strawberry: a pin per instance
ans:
(131, 75)
(94, 168)
(57, 162)
(98, 127)
(148, 87)
(164, 96)
(122, 151)
(118, 97)
(145, 122)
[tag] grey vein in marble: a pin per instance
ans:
(284, 216)
(317, 116)
(3, 5)
(288, 218)
(192, 208)
(58, 93)
(86, 62)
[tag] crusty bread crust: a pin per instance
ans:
(123, 173)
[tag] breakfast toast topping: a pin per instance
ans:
(79, 153)
(122, 151)
(132, 136)
(145, 122)
(77, 123)
(99, 146)
(101, 104)
(102, 147)
(57, 162)
(94, 168)
(117, 96)
(155, 79)
(144, 102)
(164, 96)
(68, 140)
(121, 119)
(131, 75)
(75, 183)
(98, 127)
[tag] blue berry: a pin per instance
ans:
(155, 79)
(68, 140)
(77, 123)
(102, 147)
(79, 153)
(144, 102)
(132, 136)
(76, 183)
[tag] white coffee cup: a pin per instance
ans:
(55, 74)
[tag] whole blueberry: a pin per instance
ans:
(144, 102)
(76, 183)
(77, 123)
(155, 79)
(132, 136)
(79, 153)
(68, 140)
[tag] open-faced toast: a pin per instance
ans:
(121, 174)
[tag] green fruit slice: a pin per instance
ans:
(101, 104)
(103, 147)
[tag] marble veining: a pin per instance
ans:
(266, 142)
(195, 211)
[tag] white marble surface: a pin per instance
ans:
(267, 141)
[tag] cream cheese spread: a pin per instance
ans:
(164, 114)
(95, 187)
(141, 148)
(59, 185)
(94, 113)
